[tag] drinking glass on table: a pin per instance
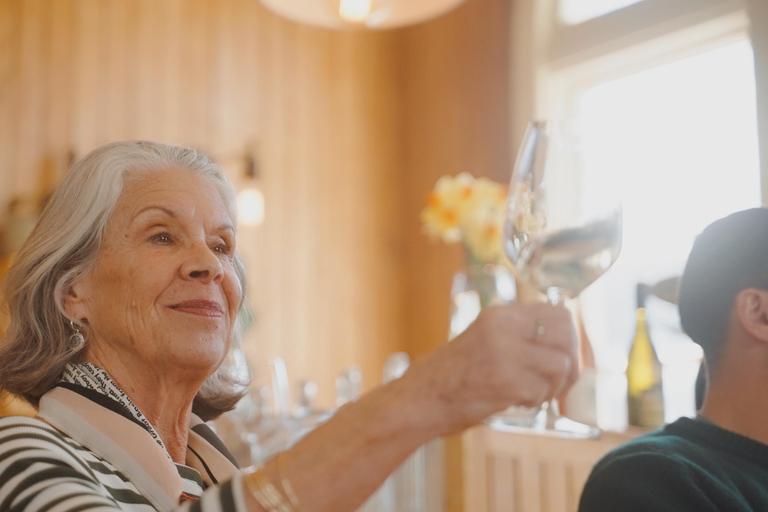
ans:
(557, 252)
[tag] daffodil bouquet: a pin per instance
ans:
(469, 210)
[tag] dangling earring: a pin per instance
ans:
(76, 340)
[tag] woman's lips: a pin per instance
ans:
(199, 307)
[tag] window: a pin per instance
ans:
(663, 94)
(572, 12)
(683, 138)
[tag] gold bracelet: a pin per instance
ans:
(265, 492)
(287, 487)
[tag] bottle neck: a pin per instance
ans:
(641, 316)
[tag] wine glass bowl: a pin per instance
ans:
(563, 262)
(555, 244)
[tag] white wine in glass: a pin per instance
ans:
(559, 255)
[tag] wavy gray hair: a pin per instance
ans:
(63, 248)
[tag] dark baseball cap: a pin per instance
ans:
(729, 255)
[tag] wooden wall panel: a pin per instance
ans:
(59, 86)
(324, 125)
(31, 111)
(10, 14)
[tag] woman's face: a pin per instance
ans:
(163, 292)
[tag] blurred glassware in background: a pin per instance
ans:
(349, 385)
(265, 423)
(418, 485)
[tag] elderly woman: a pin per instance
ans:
(123, 305)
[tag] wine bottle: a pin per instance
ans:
(644, 392)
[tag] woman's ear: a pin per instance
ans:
(751, 308)
(76, 301)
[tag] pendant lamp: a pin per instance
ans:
(364, 14)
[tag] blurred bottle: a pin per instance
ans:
(645, 398)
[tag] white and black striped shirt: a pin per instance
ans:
(45, 470)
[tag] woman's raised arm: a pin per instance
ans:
(498, 361)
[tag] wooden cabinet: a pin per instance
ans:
(511, 472)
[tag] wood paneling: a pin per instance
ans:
(328, 126)
(351, 129)
(456, 98)
(516, 472)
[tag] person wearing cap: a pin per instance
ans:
(719, 460)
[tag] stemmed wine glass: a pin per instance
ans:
(558, 252)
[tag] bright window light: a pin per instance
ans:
(682, 139)
(572, 12)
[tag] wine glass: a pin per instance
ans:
(562, 252)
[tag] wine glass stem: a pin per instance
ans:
(555, 296)
(553, 413)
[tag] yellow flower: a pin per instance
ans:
(483, 234)
(488, 193)
(468, 210)
(447, 207)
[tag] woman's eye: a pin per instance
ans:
(221, 249)
(161, 238)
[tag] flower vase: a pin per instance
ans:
(476, 287)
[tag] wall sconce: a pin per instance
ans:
(365, 14)
(250, 200)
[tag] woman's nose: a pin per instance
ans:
(203, 264)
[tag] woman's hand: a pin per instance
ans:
(511, 355)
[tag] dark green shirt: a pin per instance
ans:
(689, 465)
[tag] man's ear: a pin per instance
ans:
(751, 308)
(76, 301)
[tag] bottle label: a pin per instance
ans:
(647, 408)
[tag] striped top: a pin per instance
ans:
(44, 469)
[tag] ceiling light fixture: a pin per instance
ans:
(366, 14)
